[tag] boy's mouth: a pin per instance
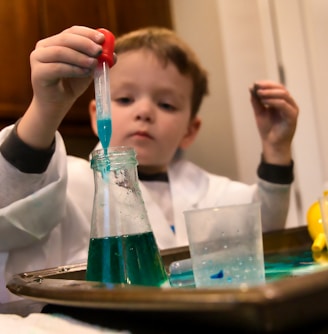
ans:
(142, 134)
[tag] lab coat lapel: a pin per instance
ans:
(164, 236)
(188, 186)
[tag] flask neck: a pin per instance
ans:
(118, 207)
(115, 158)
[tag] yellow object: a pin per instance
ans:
(315, 228)
(320, 257)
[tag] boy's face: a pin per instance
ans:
(151, 108)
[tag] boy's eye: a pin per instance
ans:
(124, 100)
(167, 106)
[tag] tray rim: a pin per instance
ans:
(50, 286)
(256, 309)
(262, 308)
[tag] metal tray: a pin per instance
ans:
(284, 304)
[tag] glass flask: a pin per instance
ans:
(122, 247)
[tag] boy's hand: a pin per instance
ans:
(62, 66)
(276, 115)
(61, 70)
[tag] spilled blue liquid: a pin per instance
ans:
(219, 274)
(277, 266)
(104, 127)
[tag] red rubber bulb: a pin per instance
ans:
(108, 47)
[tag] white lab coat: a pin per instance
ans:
(45, 218)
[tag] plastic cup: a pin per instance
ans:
(226, 246)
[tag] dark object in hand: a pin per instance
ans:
(256, 95)
(254, 92)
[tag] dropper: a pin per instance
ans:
(102, 89)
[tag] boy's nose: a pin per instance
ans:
(145, 111)
(144, 117)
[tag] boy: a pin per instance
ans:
(157, 86)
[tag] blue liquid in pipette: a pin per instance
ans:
(104, 127)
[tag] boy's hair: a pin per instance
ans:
(168, 47)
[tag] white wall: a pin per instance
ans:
(315, 13)
(241, 41)
(198, 25)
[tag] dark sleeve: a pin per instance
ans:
(24, 157)
(276, 173)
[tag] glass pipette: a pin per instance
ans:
(102, 90)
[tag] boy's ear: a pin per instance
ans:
(192, 132)
(93, 116)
